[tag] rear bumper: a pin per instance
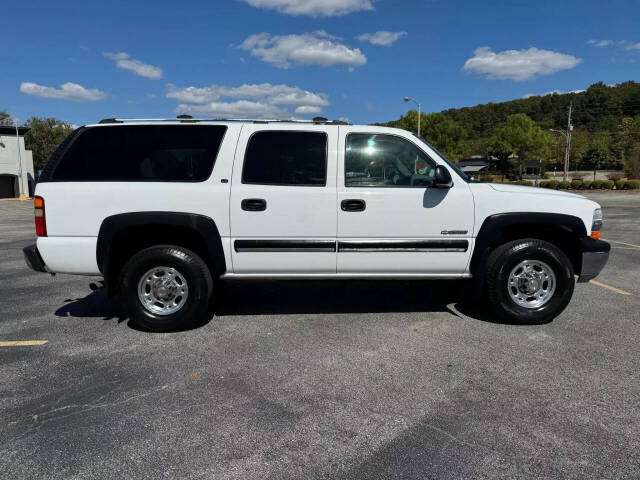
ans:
(33, 259)
(595, 254)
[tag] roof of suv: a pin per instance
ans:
(190, 119)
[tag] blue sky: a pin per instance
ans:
(355, 59)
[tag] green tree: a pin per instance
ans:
(5, 118)
(580, 143)
(632, 164)
(524, 138)
(43, 138)
(446, 135)
(502, 150)
(626, 137)
(440, 130)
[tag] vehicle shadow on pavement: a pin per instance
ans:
(94, 305)
(307, 297)
(343, 296)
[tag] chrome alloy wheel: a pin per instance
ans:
(531, 284)
(163, 290)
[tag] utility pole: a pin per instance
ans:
(568, 149)
(567, 136)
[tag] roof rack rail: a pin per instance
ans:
(190, 119)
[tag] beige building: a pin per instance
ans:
(16, 166)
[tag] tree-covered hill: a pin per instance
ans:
(606, 135)
(599, 108)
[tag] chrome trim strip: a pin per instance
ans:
(244, 246)
(403, 246)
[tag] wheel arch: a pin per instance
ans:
(562, 230)
(123, 235)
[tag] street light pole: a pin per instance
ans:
(409, 99)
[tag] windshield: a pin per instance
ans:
(457, 169)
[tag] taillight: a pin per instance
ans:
(41, 219)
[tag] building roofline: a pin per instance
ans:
(10, 130)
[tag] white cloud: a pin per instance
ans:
(122, 60)
(633, 46)
(381, 37)
(253, 100)
(308, 110)
(67, 91)
(600, 43)
(314, 8)
(518, 65)
(238, 109)
(317, 48)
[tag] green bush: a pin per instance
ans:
(608, 184)
(553, 184)
(620, 184)
(543, 184)
(632, 185)
(525, 183)
(597, 184)
(564, 185)
(576, 184)
(586, 185)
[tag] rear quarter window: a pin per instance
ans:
(142, 153)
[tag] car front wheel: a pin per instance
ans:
(529, 281)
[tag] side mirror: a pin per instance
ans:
(442, 178)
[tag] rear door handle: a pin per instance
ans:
(353, 205)
(254, 205)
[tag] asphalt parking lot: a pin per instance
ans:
(345, 380)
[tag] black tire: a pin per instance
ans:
(505, 258)
(189, 265)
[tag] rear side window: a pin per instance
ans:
(286, 158)
(139, 153)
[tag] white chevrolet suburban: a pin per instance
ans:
(162, 209)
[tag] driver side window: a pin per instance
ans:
(374, 160)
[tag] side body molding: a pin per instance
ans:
(200, 224)
(495, 226)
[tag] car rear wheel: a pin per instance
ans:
(529, 281)
(166, 288)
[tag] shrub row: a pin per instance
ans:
(590, 185)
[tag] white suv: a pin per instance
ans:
(163, 209)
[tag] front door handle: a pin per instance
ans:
(353, 205)
(254, 205)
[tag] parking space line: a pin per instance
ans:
(609, 287)
(23, 343)
(622, 243)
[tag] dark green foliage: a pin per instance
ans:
(524, 183)
(608, 184)
(597, 184)
(620, 184)
(553, 184)
(586, 185)
(44, 137)
(632, 185)
(606, 133)
(600, 108)
(576, 184)
(564, 185)
(544, 184)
